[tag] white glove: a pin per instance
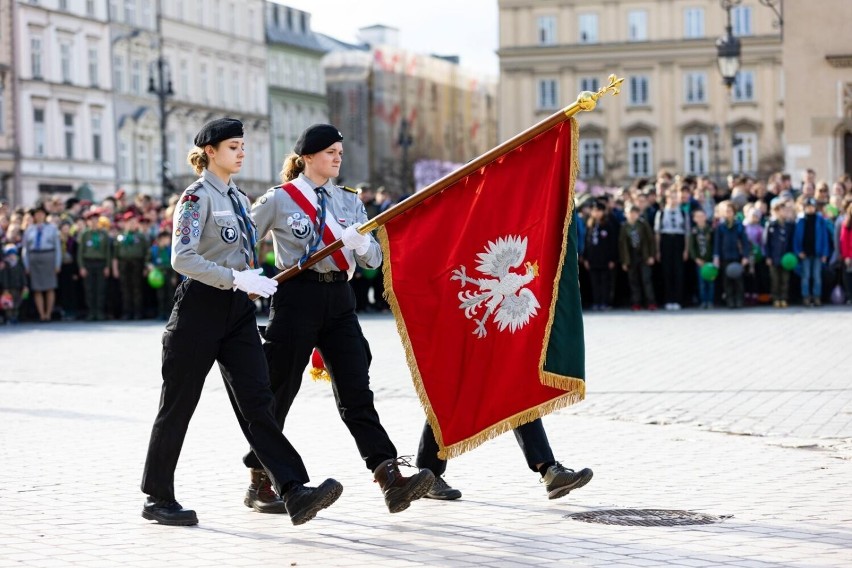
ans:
(354, 240)
(252, 282)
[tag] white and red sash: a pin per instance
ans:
(305, 197)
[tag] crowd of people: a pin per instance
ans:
(678, 241)
(670, 242)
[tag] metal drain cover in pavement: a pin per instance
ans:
(646, 517)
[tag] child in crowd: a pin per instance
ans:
(601, 254)
(845, 246)
(161, 259)
(811, 244)
(636, 252)
(671, 226)
(778, 241)
(755, 276)
(730, 246)
(13, 283)
(701, 251)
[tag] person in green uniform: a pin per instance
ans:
(131, 248)
(94, 255)
(161, 259)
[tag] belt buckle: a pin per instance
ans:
(327, 277)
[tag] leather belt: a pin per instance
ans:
(324, 277)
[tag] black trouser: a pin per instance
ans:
(601, 283)
(639, 275)
(733, 286)
(671, 259)
(305, 314)
(531, 438)
(130, 277)
(95, 288)
(67, 293)
(780, 282)
(209, 325)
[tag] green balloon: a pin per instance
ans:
(270, 258)
(709, 272)
(789, 261)
(369, 273)
(25, 294)
(156, 278)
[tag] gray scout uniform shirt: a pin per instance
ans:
(207, 241)
(293, 230)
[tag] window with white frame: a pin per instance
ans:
(93, 66)
(215, 10)
(118, 73)
(588, 28)
(637, 25)
(693, 23)
(35, 57)
(591, 158)
(39, 131)
(639, 156)
(145, 10)
(205, 91)
(547, 30)
(638, 90)
(123, 160)
(232, 18)
(741, 20)
(65, 64)
(235, 80)
(68, 120)
(184, 79)
(136, 77)
(743, 86)
(696, 148)
(695, 87)
(63, 5)
(90, 8)
(97, 154)
(113, 10)
(130, 12)
(589, 84)
(744, 158)
(142, 169)
(220, 85)
(548, 94)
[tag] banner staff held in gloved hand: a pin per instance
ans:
(213, 321)
(317, 309)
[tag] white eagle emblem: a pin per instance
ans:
(505, 297)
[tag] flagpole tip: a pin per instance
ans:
(588, 100)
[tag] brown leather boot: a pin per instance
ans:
(260, 495)
(400, 491)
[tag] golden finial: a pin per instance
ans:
(588, 100)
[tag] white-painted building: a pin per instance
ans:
(64, 99)
(217, 60)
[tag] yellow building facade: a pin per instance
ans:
(674, 111)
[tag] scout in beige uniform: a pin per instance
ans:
(213, 321)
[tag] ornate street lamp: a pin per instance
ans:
(728, 49)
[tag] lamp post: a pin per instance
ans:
(728, 48)
(162, 88)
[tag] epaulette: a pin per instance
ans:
(189, 192)
(349, 189)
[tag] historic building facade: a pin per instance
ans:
(674, 110)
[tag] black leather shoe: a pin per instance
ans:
(168, 512)
(441, 490)
(303, 503)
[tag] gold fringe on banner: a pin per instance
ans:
(575, 387)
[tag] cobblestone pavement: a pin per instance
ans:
(747, 415)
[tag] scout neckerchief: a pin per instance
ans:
(246, 230)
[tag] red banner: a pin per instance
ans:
(473, 274)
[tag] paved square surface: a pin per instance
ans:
(745, 415)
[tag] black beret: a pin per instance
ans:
(316, 138)
(217, 130)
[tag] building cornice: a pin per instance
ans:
(64, 13)
(839, 61)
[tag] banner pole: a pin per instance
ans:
(586, 101)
